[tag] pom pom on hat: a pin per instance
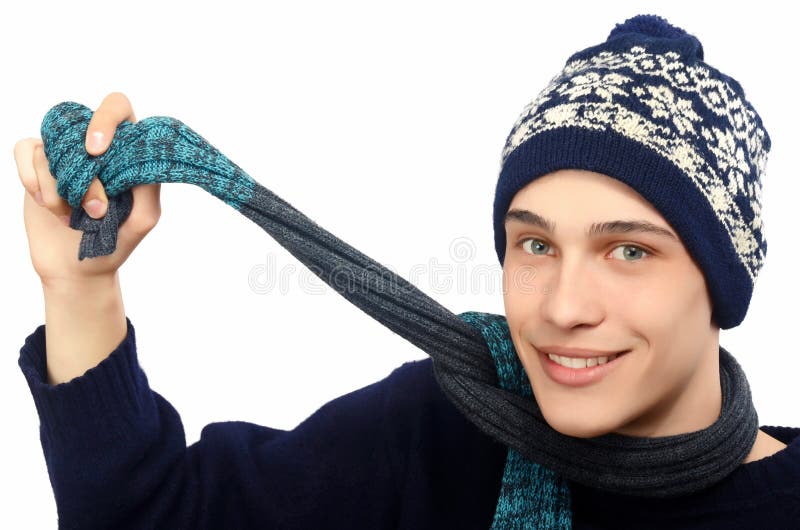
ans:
(648, 25)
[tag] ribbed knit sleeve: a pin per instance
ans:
(117, 457)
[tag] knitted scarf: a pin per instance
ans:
(474, 360)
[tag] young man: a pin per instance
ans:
(627, 242)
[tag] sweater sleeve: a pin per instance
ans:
(116, 456)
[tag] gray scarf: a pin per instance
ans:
(163, 149)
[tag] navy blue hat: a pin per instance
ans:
(644, 108)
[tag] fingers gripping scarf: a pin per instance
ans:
(474, 359)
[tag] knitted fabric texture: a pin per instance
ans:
(644, 108)
(531, 496)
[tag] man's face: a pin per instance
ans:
(637, 292)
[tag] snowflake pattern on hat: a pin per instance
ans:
(689, 114)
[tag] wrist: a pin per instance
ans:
(84, 322)
(82, 287)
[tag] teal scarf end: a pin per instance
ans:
(156, 149)
(531, 496)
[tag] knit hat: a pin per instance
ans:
(644, 108)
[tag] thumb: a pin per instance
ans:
(95, 202)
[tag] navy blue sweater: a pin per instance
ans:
(395, 454)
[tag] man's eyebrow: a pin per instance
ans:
(608, 227)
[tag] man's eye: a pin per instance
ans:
(631, 251)
(536, 246)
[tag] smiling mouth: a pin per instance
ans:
(584, 362)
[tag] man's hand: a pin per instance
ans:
(84, 313)
(53, 245)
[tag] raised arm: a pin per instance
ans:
(116, 451)
(84, 312)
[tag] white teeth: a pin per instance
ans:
(579, 362)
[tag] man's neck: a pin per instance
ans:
(764, 446)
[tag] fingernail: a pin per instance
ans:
(38, 198)
(95, 208)
(96, 140)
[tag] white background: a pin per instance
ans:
(382, 122)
